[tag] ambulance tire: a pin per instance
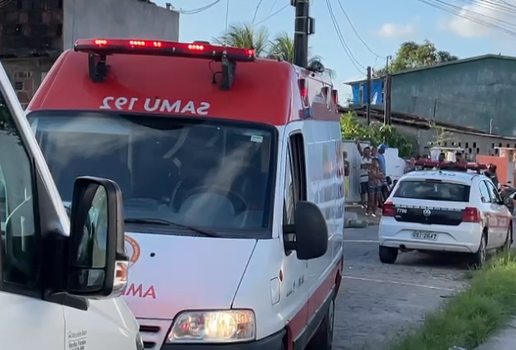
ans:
(323, 337)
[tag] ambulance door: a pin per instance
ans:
(294, 289)
(26, 321)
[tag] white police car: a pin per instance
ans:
(446, 211)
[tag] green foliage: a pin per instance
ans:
(376, 133)
(280, 47)
(441, 136)
(413, 55)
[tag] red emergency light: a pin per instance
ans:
(99, 49)
(163, 48)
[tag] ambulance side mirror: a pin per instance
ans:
(97, 265)
(311, 231)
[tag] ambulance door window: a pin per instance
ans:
(18, 244)
(299, 166)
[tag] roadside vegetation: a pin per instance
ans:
(471, 316)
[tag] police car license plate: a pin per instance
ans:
(424, 235)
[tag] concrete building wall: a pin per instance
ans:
(472, 144)
(122, 19)
(473, 93)
(26, 75)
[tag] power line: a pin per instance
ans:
(356, 33)
(256, 11)
(271, 15)
(345, 46)
(473, 16)
(198, 10)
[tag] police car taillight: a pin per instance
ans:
(388, 209)
(471, 215)
(163, 48)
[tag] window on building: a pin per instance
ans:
(59, 29)
(474, 144)
(467, 145)
(478, 150)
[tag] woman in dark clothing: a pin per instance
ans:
(491, 173)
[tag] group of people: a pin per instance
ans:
(373, 177)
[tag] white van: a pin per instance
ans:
(59, 278)
(231, 169)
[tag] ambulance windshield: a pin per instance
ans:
(205, 173)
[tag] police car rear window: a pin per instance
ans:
(433, 190)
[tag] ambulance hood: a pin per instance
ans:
(172, 273)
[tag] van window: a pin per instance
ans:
(433, 190)
(205, 173)
(18, 230)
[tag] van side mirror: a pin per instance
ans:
(97, 265)
(311, 231)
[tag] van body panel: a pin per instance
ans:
(170, 273)
(174, 273)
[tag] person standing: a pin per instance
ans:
(375, 181)
(365, 164)
(411, 166)
(384, 189)
(347, 170)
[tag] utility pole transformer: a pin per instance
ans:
(304, 26)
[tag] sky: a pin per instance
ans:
(382, 25)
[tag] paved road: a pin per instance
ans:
(377, 301)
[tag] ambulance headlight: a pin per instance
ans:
(223, 326)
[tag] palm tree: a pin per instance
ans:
(246, 36)
(282, 47)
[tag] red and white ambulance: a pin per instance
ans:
(232, 175)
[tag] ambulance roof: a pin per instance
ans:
(264, 91)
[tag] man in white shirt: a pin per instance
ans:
(364, 175)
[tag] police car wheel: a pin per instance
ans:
(479, 258)
(387, 255)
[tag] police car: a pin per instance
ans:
(444, 211)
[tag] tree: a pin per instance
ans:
(282, 47)
(413, 55)
(376, 133)
(246, 36)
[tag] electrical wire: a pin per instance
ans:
(356, 33)
(473, 16)
(360, 68)
(256, 11)
(271, 15)
(198, 10)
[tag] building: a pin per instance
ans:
(34, 32)
(477, 92)
(359, 92)
(423, 132)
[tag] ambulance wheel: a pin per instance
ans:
(388, 255)
(323, 337)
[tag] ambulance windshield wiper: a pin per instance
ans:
(164, 222)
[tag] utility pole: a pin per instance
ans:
(369, 90)
(387, 95)
(304, 26)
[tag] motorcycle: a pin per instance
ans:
(508, 193)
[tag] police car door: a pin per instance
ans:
(500, 220)
(26, 321)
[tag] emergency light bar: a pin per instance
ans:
(426, 164)
(98, 49)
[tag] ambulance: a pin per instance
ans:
(231, 170)
(60, 277)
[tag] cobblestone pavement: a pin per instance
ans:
(377, 302)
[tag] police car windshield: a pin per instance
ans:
(433, 190)
(204, 173)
